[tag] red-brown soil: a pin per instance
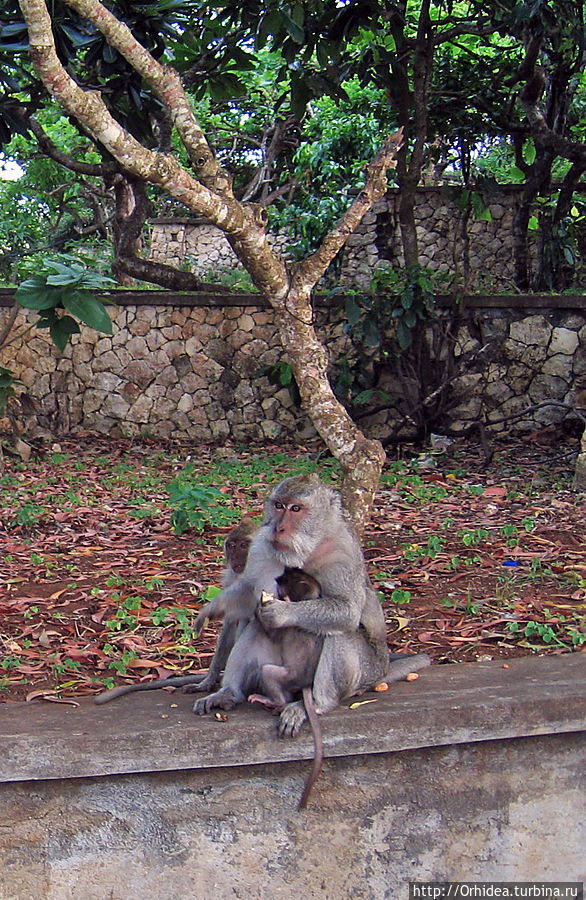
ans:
(474, 561)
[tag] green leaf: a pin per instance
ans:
(61, 330)
(35, 294)
(353, 311)
(410, 318)
(517, 175)
(89, 309)
(294, 30)
(364, 397)
(403, 335)
(529, 154)
(371, 333)
(65, 274)
(533, 223)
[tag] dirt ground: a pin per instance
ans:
(473, 561)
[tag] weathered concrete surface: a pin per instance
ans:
(157, 731)
(389, 808)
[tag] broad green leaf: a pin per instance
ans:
(64, 278)
(364, 397)
(403, 335)
(294, 30)
(353, 311)
(529, 154)
(517, 175)
(61, 330)
(89, 309)
(371, 333)
(35, 294)
(533, 223)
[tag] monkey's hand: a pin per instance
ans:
(273, 613)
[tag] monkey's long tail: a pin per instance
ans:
(318, 746)
(123, 689)
(402, 664)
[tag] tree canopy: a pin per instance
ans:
(478, 88)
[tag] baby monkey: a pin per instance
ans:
(300, 652)
(236, 548)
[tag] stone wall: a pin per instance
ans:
(191, 367)
(472, 773)
(478, 254)
(180, 241)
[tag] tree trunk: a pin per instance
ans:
(288, 289)
(580, 470)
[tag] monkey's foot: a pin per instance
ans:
(291, 719)
(264, 701)
(219, 700)
(203, 687)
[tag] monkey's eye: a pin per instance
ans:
(295, 507)
(279, 505)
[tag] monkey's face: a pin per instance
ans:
(237, 554)
(288, 518)
(297, 514)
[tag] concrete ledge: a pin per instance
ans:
(157, 732)
(219, 296)
(471, 773)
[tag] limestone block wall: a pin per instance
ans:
(191, 366)
(529, 359)
(202, 247)
(478, 254)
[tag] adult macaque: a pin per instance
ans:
(306, 528)
(236, 548)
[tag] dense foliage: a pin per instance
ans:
(296, 98)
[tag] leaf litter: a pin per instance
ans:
(96, 588)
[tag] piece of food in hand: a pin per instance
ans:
(266, 596)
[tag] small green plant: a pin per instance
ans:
(7, 383)
(196, 505)
(160, 615)
(210, 592)
(124, 616)
(511, 533)
(27, 516)
(11, 662)
(401, 597)
(154, 584)
(473, 537)
(414, 552)
(549, 633)
(120, 665)
(115, 581)
(30, 613)
(63, 668)
(281, 375)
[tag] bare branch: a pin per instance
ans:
(547, 139)
(166, 84)
(376, 184)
